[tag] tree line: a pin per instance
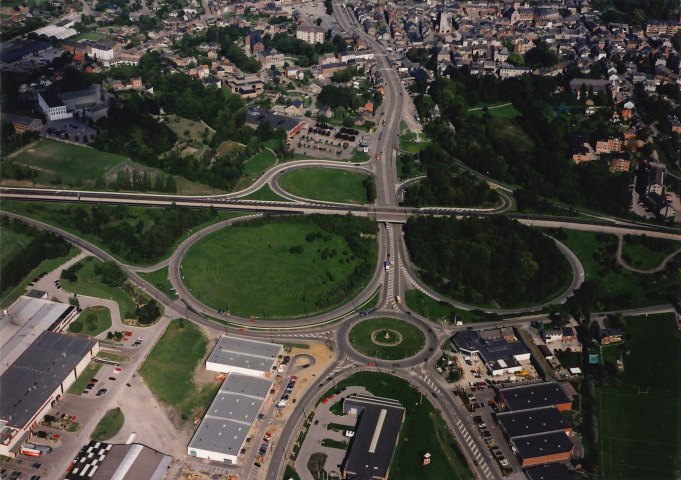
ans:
(486, 261)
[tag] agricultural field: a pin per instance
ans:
(647, 444)
(277, 269)
(327, 184)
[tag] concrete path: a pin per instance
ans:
(620, 244)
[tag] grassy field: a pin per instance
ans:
(358, 156)
(326, 184)
(441, 312)
(81, 382)
(68, 161)
(180, 125)
(265, 193)
(11, 243)
(10, 295)
(640, 255)
(93, 321)
(640, 422)
(423, 431)
(259, 162)
(618, 288)
(90, 36)
(506, 110)
(109, 425)
(89, 284)
(250, 271)
(362, 335)
(409, 143)
(169, 370)
(159, 279)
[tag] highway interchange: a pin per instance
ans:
(419, 370)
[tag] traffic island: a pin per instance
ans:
(387, 339)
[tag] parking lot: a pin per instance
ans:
(323, 140)
(71, 129)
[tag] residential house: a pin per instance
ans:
(610, 335)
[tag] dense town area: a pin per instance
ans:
(312, 240)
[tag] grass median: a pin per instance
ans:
(109, 425)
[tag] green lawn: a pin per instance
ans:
(647, 253)
(368, 337)
(331, 443)
(409, 143)
(89, 284)
(180, 125)
(92, 321)
(169, 370)
(68, 161)
(159, 279)
(109, 425)
(423, 431)
(259, 162)
(326, 184)
(441, 312)
(10, 295)
(507, 110)
(250, 270)
(11, 243)
(265, 193)
(640, 423)
(90, 36)
(114, 357)
(81, 382)
(617, 287)
(358, 156)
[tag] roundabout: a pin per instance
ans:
(386, 338)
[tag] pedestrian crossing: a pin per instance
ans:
(475, 451)
(431, 383)
(322, 335)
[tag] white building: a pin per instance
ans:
(310, 33)
(102, 52)
(229, 419)
(246, 357)
(53, 107)
(54, 361)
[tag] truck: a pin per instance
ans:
(398, 299)
(31, 452)
(40, 448)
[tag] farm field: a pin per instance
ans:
(271, 270)
(327, 184)
(647, 444)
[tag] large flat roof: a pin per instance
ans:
(490, 344)
(28, 318)
(554, 471)
(36, 374)
(372, 448)
(104, 461)
(542, 444)
(230, 417)
(243, 353)
(534, 395)
(534, 420)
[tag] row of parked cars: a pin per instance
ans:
(283, 401)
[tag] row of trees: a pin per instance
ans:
(485, 261)
(43, 246)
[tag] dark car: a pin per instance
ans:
(112, 378)
(257, 464)
(316, 422)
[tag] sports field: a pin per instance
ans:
(327, 184)
(639, 424)
(270, 270)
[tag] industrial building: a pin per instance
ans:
(523, 397)
(243, 356)
(371, 449)
(105, 461)
(228, 422)
(36, 380)
(542, 448)
(555, 471)
(28, 317)
(290, 125)
(498, 348)
(532, 421)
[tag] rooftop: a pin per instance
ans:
(555, 471)
(542, 444)
(24, 322)
(104, 461)
(229, 419)
(243, 353)
(534, 395)
(490, 344)
(372, 448)
(529, 422)
(257, 116)
(37, 373)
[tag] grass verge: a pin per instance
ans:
(259, 162)
(404, 339)
(327, 184)
(109, 425)
(265, 193)
(159, 279)
(81, 382)
(328, 442)
(169, 370)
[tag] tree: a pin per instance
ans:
(541, 55)
(147, 314)
(110, 274)
(516, 59)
